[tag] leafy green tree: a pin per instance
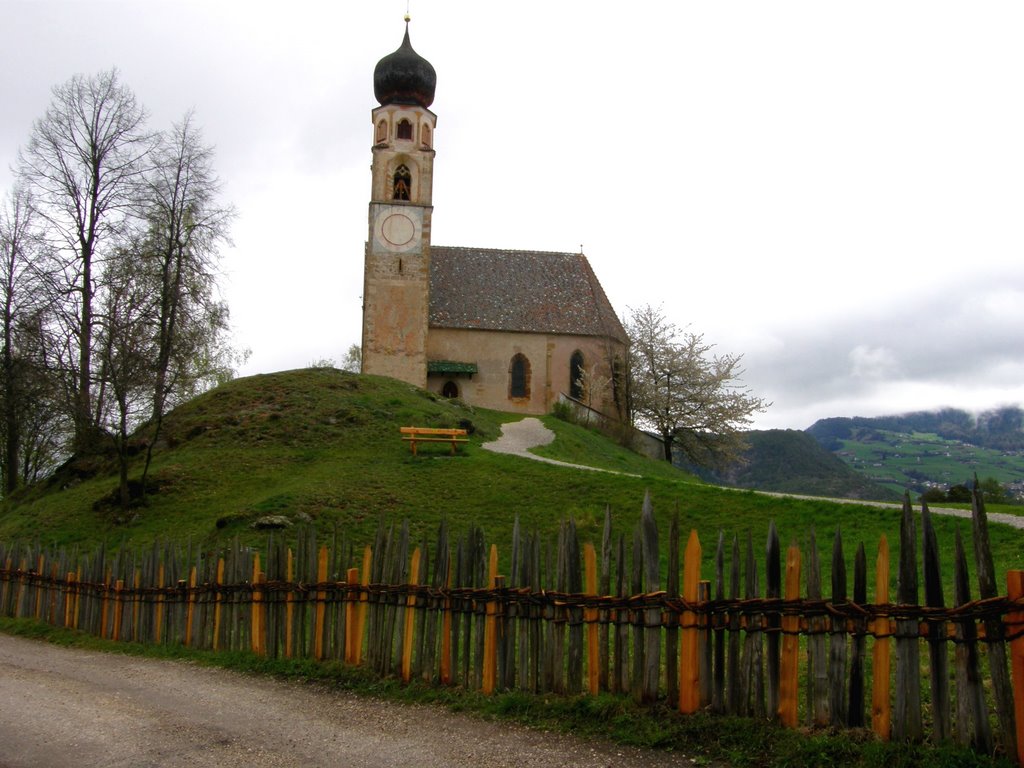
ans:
(992, 492)
(959, 494)
(692, 398)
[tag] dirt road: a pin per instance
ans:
(66, 707)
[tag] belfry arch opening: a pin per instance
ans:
(402, 183)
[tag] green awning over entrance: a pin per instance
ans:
(450, 367)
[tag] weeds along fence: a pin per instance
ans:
(575, 620)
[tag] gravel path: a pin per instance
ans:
(518, 437)
(1013, 521)
(69, 707)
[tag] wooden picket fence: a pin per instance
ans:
(575, 620)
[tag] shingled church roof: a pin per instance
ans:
(527, 291)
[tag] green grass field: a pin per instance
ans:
(323, 446)
(897, 461)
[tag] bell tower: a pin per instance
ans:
(396, 276)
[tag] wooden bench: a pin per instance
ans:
(415, 435)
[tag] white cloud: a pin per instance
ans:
(873, 363)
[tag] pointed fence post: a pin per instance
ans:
(689, 678)
(351, 616)
(938, 673)
(855, 715)
(972, 724)
(651, 555)
(837, 668)
(907, 725)
(410, 616)
(258, 621)
(490, 666)
(789, 665)
(881, 712)
(590, 617)
(158, 620)
(994, 638)
(321, 604)
(773, 621)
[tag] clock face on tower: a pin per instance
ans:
(398, 228)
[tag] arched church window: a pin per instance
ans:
(403, 183)
(576, 375)
(382, 131)
(425, 135)
(519, 377)
(404, 129)
(450, 390)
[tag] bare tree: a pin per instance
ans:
(127, 352)
(693, 399)
(33, 422)
(16, 293)
(185, 227)
(82, 167)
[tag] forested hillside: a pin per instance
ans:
(790, 461)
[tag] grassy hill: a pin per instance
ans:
(323, 446)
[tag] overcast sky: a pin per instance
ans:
(834, 190)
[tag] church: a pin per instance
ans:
(502, 329)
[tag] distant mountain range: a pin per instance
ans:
(880, 458)
(999, 429)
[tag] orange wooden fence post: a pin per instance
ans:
(590, 617)
(1015, 620)
(490, 671)
(410, 616)
(689, 674)
(158, 620)
(190, 612)
(881, 711)
(257, 607)
(321, 604)
(217, 604)
(789, 666)
(351, 617)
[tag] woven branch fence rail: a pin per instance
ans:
(574, 620)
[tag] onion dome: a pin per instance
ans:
(404, 77)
